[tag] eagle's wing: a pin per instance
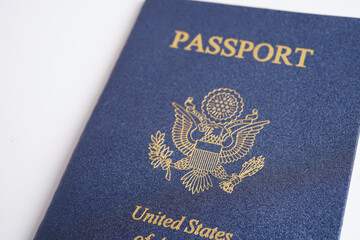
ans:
(181, 130)
(245, 137)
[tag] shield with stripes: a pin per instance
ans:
(205, 156)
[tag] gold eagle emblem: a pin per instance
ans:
(210, 139)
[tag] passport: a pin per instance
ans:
(218, 122)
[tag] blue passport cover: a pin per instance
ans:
(218, 122)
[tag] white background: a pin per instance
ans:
(55, 58)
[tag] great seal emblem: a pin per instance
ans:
(209, 139)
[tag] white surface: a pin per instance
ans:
(55, 58)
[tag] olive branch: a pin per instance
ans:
(159, 153)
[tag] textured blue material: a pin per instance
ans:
(308, 146)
